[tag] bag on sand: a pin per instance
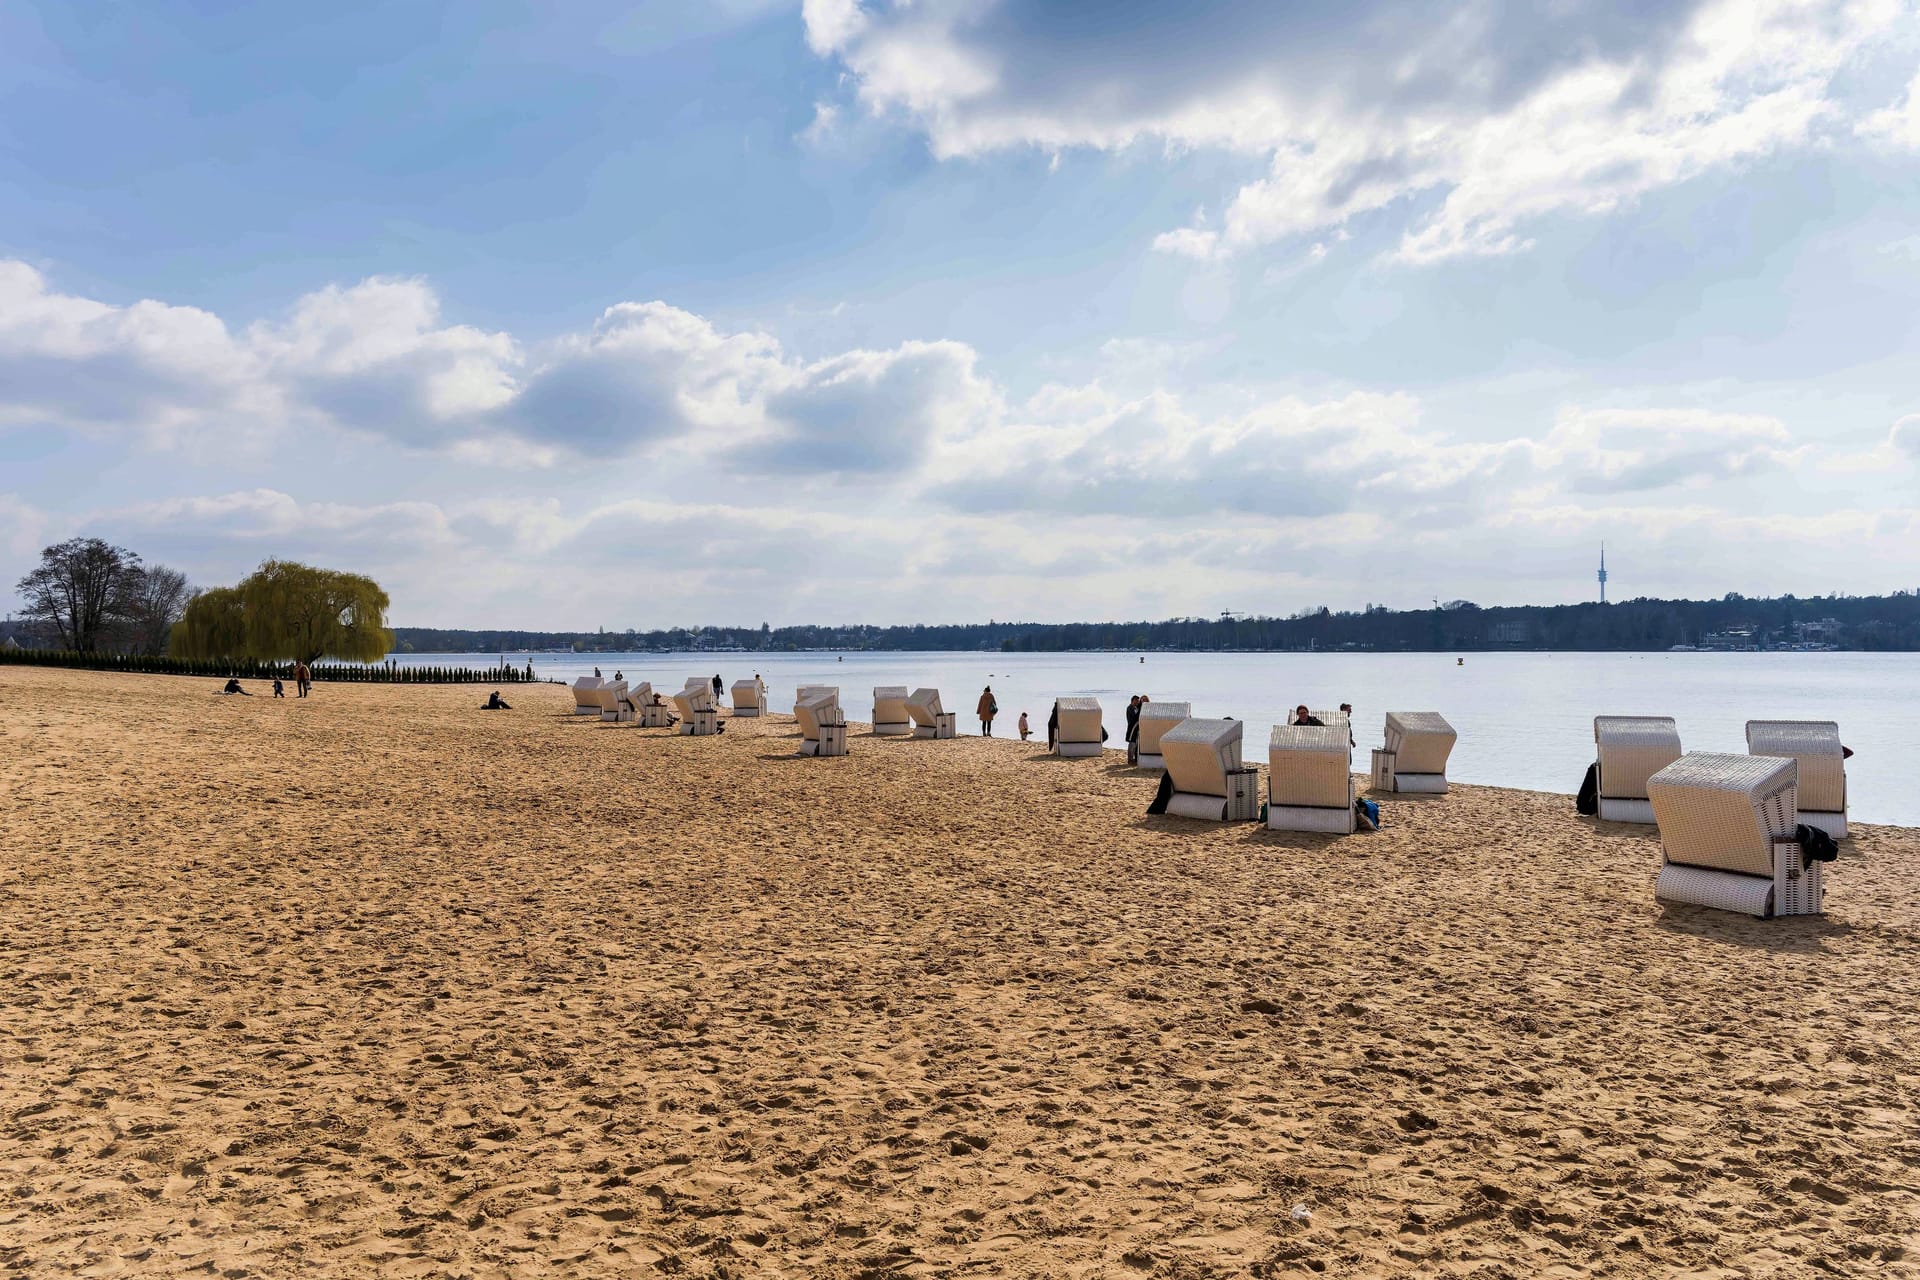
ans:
(1815, 845)
(1588, 801)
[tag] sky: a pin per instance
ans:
(654, 314)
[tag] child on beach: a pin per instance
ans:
(279, 690)
(1024, 731)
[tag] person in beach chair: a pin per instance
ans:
(495, 703)
(233, 686)
(1303, 716)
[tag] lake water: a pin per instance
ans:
(1525, 719)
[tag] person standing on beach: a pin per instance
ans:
(987, 709)
(1053, 724)
(1346, 709)
(1024, 731)
(302, 678)
(1133, 729)
(717, 686)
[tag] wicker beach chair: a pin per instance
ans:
(1155, 719)
(1630, 750)
(823, 726)
(749, 698)
(1727, 835)
(1080, 732)
(1310, 778)
(1204, 777)
(613, 700)
(586, 696)
(1815, 744)
(1413, 759)
(695, 704)
(929, 720)
(806, 691)
(890, 715)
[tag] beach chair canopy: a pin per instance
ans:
(1632, 749)
(890, 704)
(1815, 745)
(746, 694)
(1198, 754)
(1155, 719)
(1420, 740)
(1724, 811)
(1079, 720)
(924, 706)
(694, 698)
(822, 706)
(1309, 765)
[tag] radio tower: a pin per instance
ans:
(1603, 573)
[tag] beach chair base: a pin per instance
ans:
(1299, 817)
(1151, 761)
(1834, 824)
(832, 742)
(1079, 748)
(652, 717)
(1243, 794)
(892, 728)
(700, 724)
(1419, 784)
(1794, 890)
(1381, 777)
(622, 716)
(1186, 804)
(945, 725)
(747, 713)
(1616, 810)
(586, 711)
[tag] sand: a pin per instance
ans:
(378, 984)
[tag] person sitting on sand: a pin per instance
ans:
(233, 686)
(1024, 731)
(495, 703)
(1303, 716)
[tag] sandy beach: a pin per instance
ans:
(378, 984)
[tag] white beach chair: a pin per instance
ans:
(695, 705)
(929, 721)
(649, 715)
(1630, 750)
(1080, 732)
(613, 701)
(1414, 759)
(890, 714)
(749, 698)
(1815, 744)
(1310, 778)
(1726, 835)
(1155, 719)
(1204, 777)
(823, 726)
(586, 696)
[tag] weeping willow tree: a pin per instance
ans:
(288, 611)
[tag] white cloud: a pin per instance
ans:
(1630, 450)
(1897, 125)
(1505, 114)
(1905, 435)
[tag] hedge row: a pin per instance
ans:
(254, 669)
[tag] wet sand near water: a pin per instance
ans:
(377, 984)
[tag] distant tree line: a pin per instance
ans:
(1890, 622)
(255, 669)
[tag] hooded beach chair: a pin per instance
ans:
(823, 726)
(1815, 744)
(697, 714)
(613, 701)
(1155, 719)
(890, 714)
(929, 721)
(1204, 777)
(1630, 750)
(1080, 732)
(806, 691)
(1414, 759)
(1727, 835)
(586, 696)
(1310, 778)
(749, 697)
(649, 715)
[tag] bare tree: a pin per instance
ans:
(81, 588)
(156, 598)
